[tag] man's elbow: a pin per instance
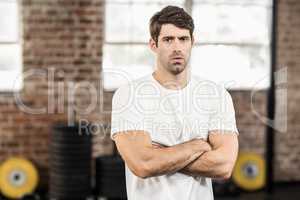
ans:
(226, 176)
(227, 172)
(143, 171)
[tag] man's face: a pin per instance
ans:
(173, 49)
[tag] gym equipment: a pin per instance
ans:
(18, 177)
(70, 156)
(249, 172)
(224, 188)
(110, 177)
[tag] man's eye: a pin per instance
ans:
(183, 39)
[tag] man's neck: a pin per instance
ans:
(171, 81)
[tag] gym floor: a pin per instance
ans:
(284, 191)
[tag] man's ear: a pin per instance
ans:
(152, 45)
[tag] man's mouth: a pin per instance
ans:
(177, 58)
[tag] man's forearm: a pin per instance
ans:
(172, 159)
(219, 162)
(210, 164)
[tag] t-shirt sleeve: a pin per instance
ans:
(223, 117)
(125, 115)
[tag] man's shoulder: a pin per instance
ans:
(207, 86)
(201, 82)
(133, 84)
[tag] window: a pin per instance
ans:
(10, 46)
(232, 41)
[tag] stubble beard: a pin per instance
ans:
(176, 68)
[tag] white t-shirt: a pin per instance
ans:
(171, 117)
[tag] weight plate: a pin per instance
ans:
(18, 177)
(249, 171)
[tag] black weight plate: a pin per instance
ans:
(65, 184)
(69, 162)
(77, 177)
(110, 180)
(66, 177)
(110, 175)
(74, 136)
(70, 131)
(69, 177)
(70, 154)
(62, 157)
(70, 137)
(67, 198)
(70, 134)
(68, 184)
(112, 193)
(108, 160)
(64, 195)
(57, 197)
(71, 149)
(69, 192)
(65, 187)
(63, 144)
(70, 142)
(68, 165)
(107, 186)
(59, 158)
(109, 164)
(64, 129)
(67, 172)
(112, 170)
(111, 183)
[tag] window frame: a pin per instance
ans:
(188, 6)
(12, 80)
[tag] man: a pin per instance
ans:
(174, 131)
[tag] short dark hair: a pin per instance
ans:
(170, 15)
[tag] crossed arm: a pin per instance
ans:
(214, 158)
(219, 162)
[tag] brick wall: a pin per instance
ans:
(63, 39)
(63, 42)
(288, 56)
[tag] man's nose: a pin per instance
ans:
(177, 44)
